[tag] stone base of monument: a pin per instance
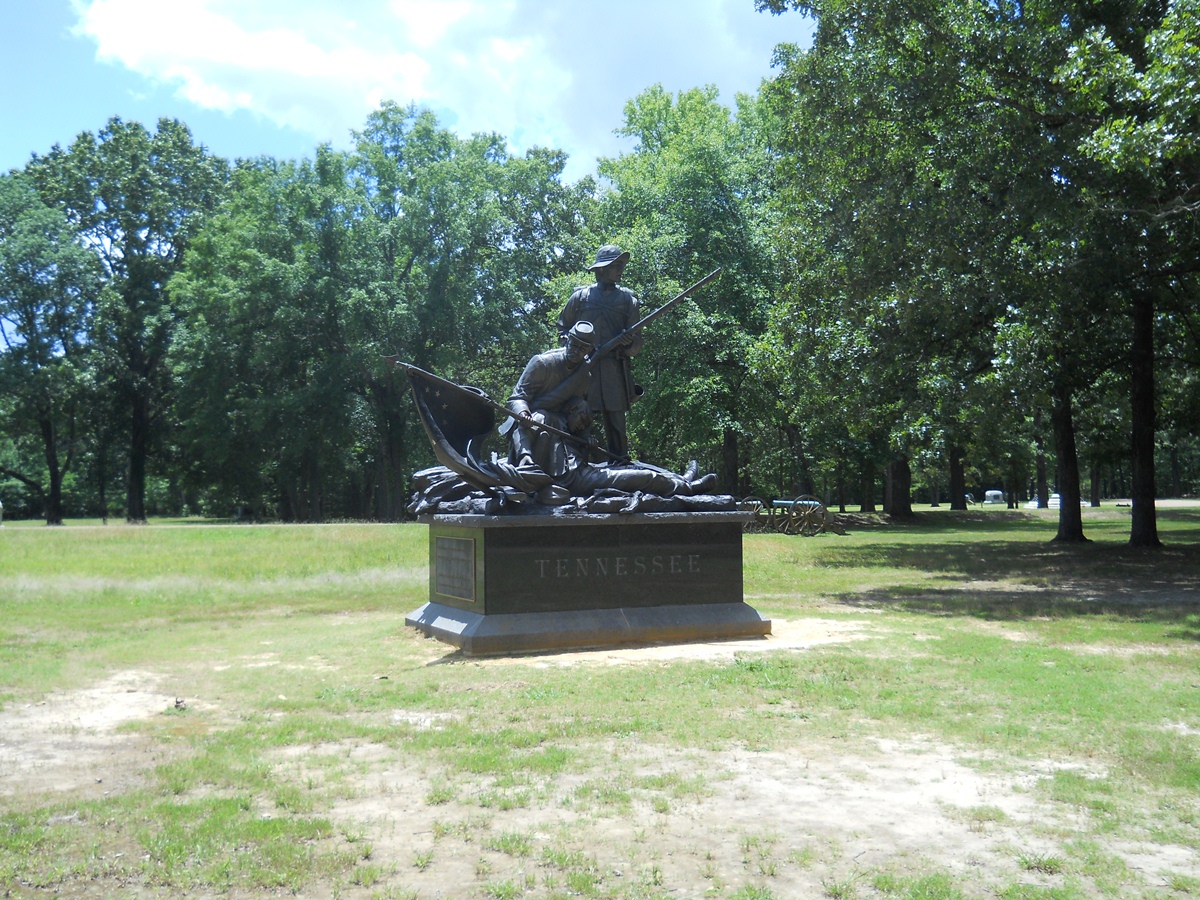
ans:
(523, 584)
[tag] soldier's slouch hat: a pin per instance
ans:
(607, 255)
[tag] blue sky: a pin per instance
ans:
(278, 77)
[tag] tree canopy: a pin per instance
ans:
(48, 291)
(958, 247)
(135, 197)
(952, 182)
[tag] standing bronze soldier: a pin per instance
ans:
(611, 309)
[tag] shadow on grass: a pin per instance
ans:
(1007, 606)
(1012, 579)
(1105, 519)
(1032, 561)
(944, 521)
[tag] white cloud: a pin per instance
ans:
(305, 72)
(540, 73)
(312, 70)
(428, 20)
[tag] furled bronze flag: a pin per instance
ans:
(457, 419)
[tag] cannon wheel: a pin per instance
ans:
(809, 516)
(791, 518)
(762, 515)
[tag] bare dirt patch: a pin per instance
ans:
(795, 822)
(785, 635)
(70, 740)
(799, 822)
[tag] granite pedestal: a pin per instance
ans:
(520, 584)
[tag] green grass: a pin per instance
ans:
(939, 886)
(978, 633)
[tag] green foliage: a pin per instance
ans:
(691, 197)
(136, 198)
(953, 254)
(264, 378)
(753, 892)
(48, 289)
(938, 226)
(514, 843)
(418, 245)
(927, 887)
(1143, 89)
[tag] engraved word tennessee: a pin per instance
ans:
(619, 566)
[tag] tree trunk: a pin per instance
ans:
(52, 497)
(313, 499)
(958, 481)
(900, 489)
(1095, 492)
(1070, 517)
(867, 504)
(729, 461)
(392, 449)
(389, 501)
(1143, 531)
(802, 480)
(399, 472)
(102, 479)
(289, 502)
(139, 448)
(1043, 486)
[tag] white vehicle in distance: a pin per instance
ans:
(1055, 502)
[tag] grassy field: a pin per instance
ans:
(240, 710)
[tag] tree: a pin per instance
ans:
(1135, 69)
(469, 247)
(690, 197)
(47, 292)
(945, 154)
(889, 304)
(135, 198)
(420, 245)
(263, 395)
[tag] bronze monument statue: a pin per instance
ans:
(548, 467)
(565, 543)
(612, 310)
